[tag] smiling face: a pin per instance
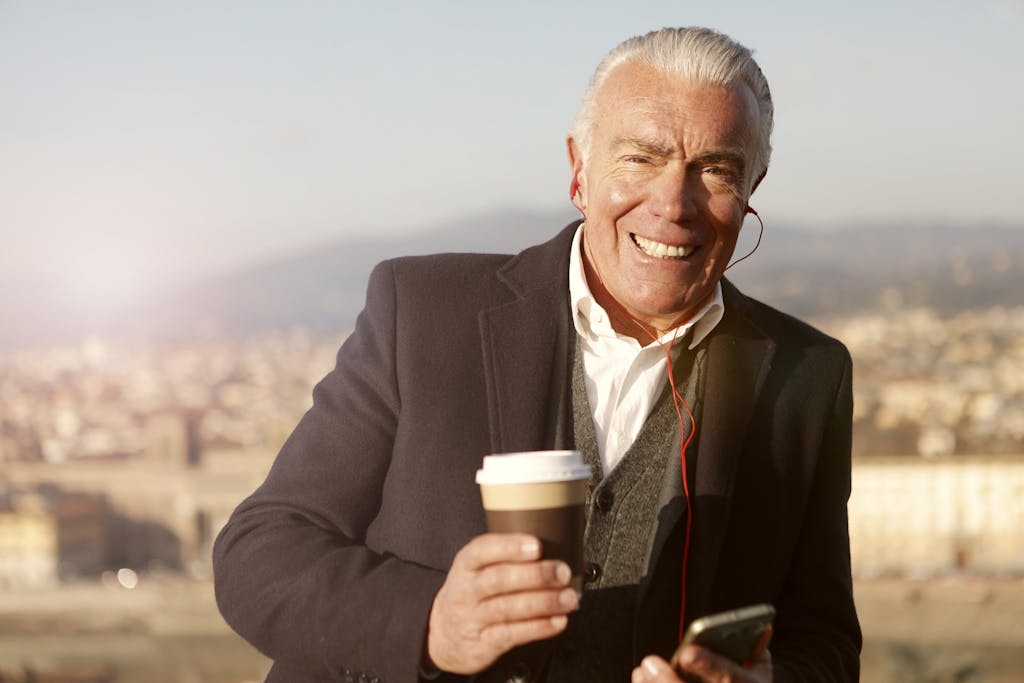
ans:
(663, 190)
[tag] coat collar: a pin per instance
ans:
(739, 358)
(523, 341)
(526, 350)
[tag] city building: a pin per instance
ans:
(28, 542)
(916, 517)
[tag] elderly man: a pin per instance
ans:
(718, 430)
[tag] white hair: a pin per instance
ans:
(694, 53)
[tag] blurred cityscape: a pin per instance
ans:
(133, 458)
(115, 457)
(119, 463)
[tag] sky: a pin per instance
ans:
(144, 143)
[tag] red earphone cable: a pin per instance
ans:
(677, 400)
(760, 234)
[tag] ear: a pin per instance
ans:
(577, 185)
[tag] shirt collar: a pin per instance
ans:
(592, 321)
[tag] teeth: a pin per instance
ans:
(660, 249)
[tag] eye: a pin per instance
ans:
(637, 159)
(723, 174)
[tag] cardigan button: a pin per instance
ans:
(604, 501)
(592, 572)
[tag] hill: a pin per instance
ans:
(809, 273)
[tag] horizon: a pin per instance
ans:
(320, 287)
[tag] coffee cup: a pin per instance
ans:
(542, 493)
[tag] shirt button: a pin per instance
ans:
(604, 501)
(592, 572)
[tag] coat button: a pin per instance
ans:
(604, 501)
(592, 572)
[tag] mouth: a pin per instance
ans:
(660, 249)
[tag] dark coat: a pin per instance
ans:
(331, 566)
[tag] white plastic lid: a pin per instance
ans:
(532, 467)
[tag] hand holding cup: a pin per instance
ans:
(499, 594)
(518, 583)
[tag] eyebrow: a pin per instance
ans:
(643, 145)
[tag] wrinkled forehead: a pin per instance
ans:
(635, 89)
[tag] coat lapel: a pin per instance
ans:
(526, 349)
(739, 357)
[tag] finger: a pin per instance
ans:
(654, 670)
(761, 649)
(709, 667)
(488, 549)
(507, 635)
(528, 605)
(505, 578)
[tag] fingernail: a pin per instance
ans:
(560, 621)
(531, 547)
(567, 598)
(651, 665)
(563, 573)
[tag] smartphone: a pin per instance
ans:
(733, 634)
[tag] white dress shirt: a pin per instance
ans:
(624, 380)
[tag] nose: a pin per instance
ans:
(673, 195)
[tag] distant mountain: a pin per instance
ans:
(324, 289)
(809, 273)
(945, 267)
